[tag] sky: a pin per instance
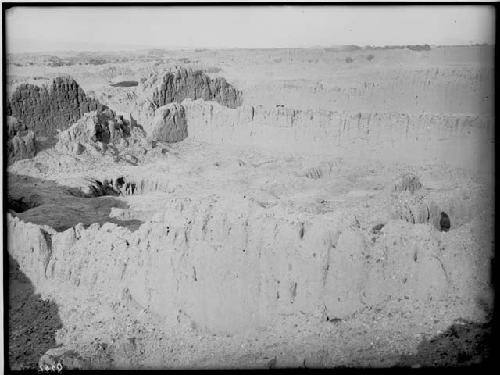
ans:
(44, 29)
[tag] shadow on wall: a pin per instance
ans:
(464, 343)
(33, 322)
(45, 202)
(44, 143)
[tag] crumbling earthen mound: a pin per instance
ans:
(98, 131)
(46, 109)
(169, 124)
(21, 142)
(14, 126)
(409, 182)
(186, 83)
(414, 205)
(91, 128)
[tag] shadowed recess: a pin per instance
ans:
(45, 202)
(464, 343)
(33, 322)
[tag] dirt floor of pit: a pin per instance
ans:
(127, 336)
(45, 202)
(53, 183)
(372, 338)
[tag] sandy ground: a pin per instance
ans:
(383, 335)
(86, 330)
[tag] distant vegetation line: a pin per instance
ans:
(92, 56)
(158, 55)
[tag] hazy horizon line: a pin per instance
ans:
(185, 48)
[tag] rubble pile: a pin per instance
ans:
(99, 132)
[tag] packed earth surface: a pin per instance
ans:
(301, 208)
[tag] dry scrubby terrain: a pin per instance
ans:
(251, 208)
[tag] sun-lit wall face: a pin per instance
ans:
(102, 28)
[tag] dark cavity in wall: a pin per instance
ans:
(444, 222)
(113, 187)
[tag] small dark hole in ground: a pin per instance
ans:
(120, 181)
(377, 228)
(445, 223)
(301, 231)
(333, 320)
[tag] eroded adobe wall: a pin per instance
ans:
(21, 143)
(48, 109)
(169, 124)
(231, 267)
(186, 83)
(460, 140)
(21, 146)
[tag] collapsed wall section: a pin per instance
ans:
(103, 132)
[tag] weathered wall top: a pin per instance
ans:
(186, 83)
(48, 108)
